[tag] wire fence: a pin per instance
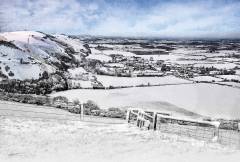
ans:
(200, 130)
(223, 136)
(201, 133)
(229, 137)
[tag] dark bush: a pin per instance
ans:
(60, 98)
(11, 73)
(90, 105)
(7, 68)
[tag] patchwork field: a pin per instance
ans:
(108, 81)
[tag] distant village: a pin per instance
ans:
(134, 66)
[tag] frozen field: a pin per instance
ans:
(136, 81)
(205, 99)
(206, 79)
(37, 140)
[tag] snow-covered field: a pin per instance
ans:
(116, 52)
(36, 140)
(206, 79)
(205, 99)
(218, 65)
(229, 77)
(234, 84)
(136, 81)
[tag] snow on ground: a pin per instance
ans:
(201, 53)
(34, 56)
(229, 52)
(206, 79)
(21, 36)
(188, 62)
(237, 72)
(217, 54)
(229, 77)
(194, 57)
(105, 54)
(118, 65)
(13, 108)
(216, 59)
(95, 51)
(35, 139)
(113, 46)
(33, 63)
(10, 57)
(136, 81)
(188, 51)
(74, 43)
(218, 66)
(234, 84)
(117, 52)
(36, 53)
(230, 59)
(176, 58)
(98, 55)
(31, 39)
(77, 71)
(154, 57)
(30, 71)
(205, 99)
(10, 61)
(170, 57)
(2, 38)
(81, 83)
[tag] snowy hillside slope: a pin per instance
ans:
(27, 54)
(36, 136)
(76, 44)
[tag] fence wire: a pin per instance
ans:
(204, 133)
(201, 133)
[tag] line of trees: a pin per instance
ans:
(44, 85)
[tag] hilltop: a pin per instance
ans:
(28, 54)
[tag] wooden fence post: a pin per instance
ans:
(216, 133)
(128, 115)
(81, 111)
(138, 119)
(239, 135)
(154, 121)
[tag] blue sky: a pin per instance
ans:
(158, 18)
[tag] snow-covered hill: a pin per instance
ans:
(53, 135)
(27, 54)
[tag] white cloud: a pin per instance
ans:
(171, 19)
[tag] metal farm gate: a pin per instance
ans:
(197, 129)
